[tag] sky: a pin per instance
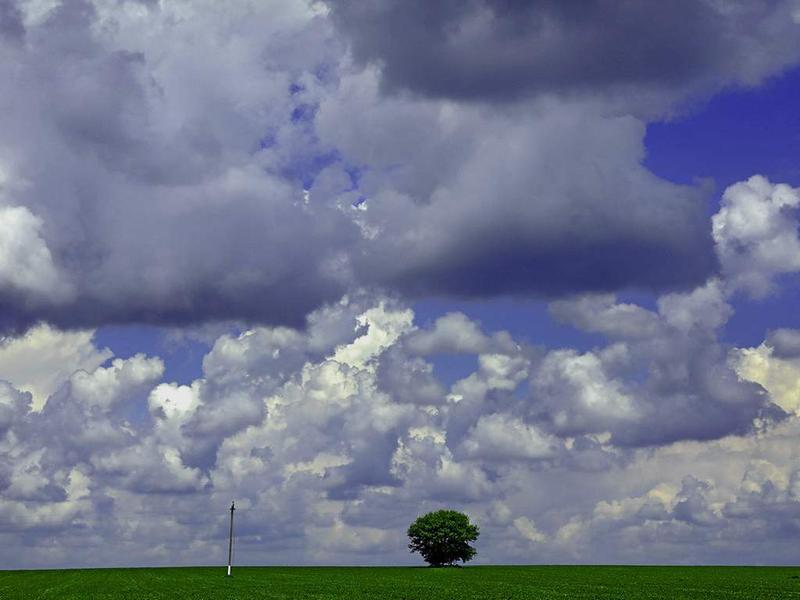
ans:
(345, 262)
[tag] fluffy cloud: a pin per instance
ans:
(737, 496)
(778, 375)
(671, 380)
(455, 332)
(755, 233)
(501, 437)
(42, 359)
(579, 396)
(314, 440)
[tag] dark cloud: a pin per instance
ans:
(547, 200)
(11, 26)
(137, 207)
(258, 176)
(505, 49)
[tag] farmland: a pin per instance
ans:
(333, 583)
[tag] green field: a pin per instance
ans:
(406, 583)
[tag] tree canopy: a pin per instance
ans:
(442, 537)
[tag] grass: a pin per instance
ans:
(396, 583)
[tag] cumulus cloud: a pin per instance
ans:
(103, 387)
(313, 439)
(778, 375)
(502, 437)
(456, 333)
(755, 232)
(579, 396)
(735, 495)
(143, 182)
(42, 359)
(677, 379)
(603, 314)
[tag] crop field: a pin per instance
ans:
(708, 583)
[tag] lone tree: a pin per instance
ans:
(442, 537)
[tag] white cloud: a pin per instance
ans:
(579, 395)
(502, 437)
(454, 332)
(756, 235)
(383, 327)
(336, 445)
(103, 387)
(42, 359)
(26, 264)
(779, 376)
(704, 308)
(603, 314)
(527, 529)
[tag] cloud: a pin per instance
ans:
(778, 375)
(137, 200)
(740, 504)
(755, 232)
(285, 179)
(187, 163)
(14, 405)
(579, 396)
(27, 267)
(314, 432)
(603, 314)
(495, 50)
(674, 383)
(42, 359)
(784, 342)
(105, 386)
(527, 529)
(566, 215)
(456, 333)
(502, 437)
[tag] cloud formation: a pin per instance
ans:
(287, 166)
(334, 436)
(178, 163)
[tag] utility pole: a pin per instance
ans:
(230, 541)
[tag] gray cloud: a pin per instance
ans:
(786, 342)
(506, 49)
(666, 377)
(547, 199)
(164, 180)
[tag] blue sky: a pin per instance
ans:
(348, 262)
